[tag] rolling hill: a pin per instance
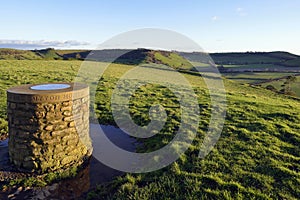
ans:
(256, 157)
(254, 58)
(248, 67)
(174, 58)
(14, 54)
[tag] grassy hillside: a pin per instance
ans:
(255, 77)
(14, 54)
(136, 56)
(63, 52)
(123, 56)
(293, 63)
(48, 54)
(281, 84)
(257, 156)
(44, 54)
(171, 59)
(252, 58)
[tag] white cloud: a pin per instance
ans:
(241, 12)
(215, 18)
(36, 44)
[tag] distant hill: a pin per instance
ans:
(14, 54)
(124, 56)
(278, 57)
(171, 58)
(292, 62)
(48, 54)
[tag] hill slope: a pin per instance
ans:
(48, 54)
(253, 58)
(136, 56)
(257, 156)
(14, 54)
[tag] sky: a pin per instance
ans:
(217, 26)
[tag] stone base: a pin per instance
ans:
(48, 130)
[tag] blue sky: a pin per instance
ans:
(217, 26)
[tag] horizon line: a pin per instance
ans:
(85, 49)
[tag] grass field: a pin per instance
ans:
(256, 58)
(261, 67)
(255, 66)
(294, 62)
(238, 58)
(295, 87)
(11, 54)
(265, 79)
(257, 156)
(254, 77)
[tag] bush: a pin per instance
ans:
(271, 87)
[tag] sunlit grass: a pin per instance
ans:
(256, 157)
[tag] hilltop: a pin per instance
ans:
(136, 56)
(14, 54)
(276, 57)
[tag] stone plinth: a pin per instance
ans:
(48, 126)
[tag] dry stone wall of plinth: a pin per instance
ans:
(48, 127)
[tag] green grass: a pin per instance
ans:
(44, 54)
(236, 58)
(256, 157)
(48, 54)
(256, 66)
(252, 57)
(261, 67)
(295, 87)
(261, 77)
(293, 63)
(68, 51)
(254, 77)
(173, 60)
(283, 55)
(14, 54)
(41, 180)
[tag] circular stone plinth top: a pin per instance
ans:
(47, 92)
(50, 86)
